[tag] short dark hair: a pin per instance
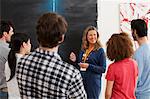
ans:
(50, 28)
(119, 46)
(17, 40)
(5, 26)
(140, 26)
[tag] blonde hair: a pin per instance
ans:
(85, 43)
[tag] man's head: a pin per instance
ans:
(50, 29)
(6, 30)
(139, 28)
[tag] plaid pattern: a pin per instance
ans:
(43, 75)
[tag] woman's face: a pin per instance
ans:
(92, 36)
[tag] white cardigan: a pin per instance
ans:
(12, 85)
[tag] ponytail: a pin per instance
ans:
(12, 63)
(17, 40)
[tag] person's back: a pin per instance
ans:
(122, 74)
(42, 74)
(142, 56)
(125, 74)
(48, 77)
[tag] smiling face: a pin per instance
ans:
(92, 36)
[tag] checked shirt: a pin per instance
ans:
(43, 75)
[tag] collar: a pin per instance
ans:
(46, 52)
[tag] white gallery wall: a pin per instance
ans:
(108, 23)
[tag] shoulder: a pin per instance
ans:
(82, 51)
(132, 60)
(115, 65)
(4, 51)
(72, 70)
(100, 50)
(141, 51)
(27, 59)
(4, 48)
(112, 65)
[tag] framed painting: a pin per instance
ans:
(130, 11)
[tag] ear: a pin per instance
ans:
(5, 34)
(135, 33)
(62, 39)
(24, 44)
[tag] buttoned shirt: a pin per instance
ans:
(43, 75)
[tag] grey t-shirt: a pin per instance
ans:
(4, 50)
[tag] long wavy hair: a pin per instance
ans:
(85, 43)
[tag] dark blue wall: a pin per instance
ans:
(78, 13)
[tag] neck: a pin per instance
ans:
(54, 49)
(142, 40)
(91, 46)
(3, 39)
(22, 51)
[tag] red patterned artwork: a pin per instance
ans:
(129, 11)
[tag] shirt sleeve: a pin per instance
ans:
(76, 88)
(110, 73)
(139, 60)
(101, 66)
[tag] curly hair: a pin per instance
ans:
(119, 46)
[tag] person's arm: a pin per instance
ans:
(76, 88)
(97, 69)
(136, 73)
(108, 91)
(110, 77)
(139, 59)
(101, 67)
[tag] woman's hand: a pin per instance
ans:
(84, 65)
(72, 57)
